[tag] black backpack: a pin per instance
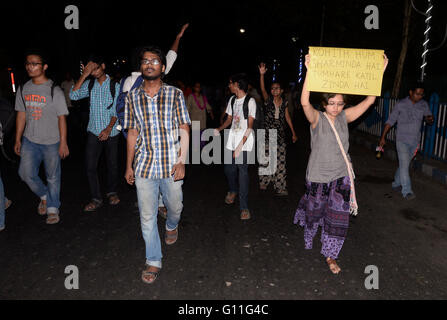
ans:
(259, 120)
(112, 90)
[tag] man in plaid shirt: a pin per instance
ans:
(155, 116)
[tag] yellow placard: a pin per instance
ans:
(343, 70)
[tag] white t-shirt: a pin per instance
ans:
(171, 56)
(240, 124)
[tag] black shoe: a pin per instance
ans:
(397, 189)
(409, 196)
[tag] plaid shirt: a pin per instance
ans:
(157, 121)
(101, 98)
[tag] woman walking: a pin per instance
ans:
(276, 115)
(330, 193)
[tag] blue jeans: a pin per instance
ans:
(2, 204)
(405, 153)
(239, 169)
(148, 192)
(32, 156)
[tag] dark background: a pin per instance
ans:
(212, 47)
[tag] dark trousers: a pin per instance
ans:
(93, 151)
(237, 175)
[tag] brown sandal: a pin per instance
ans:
(42, 208)
(53, 218)
(114, 200)
(333, 266)
(93, 205)
(231, 196)
(152, 274)
(171, 238)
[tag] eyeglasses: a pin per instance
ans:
(338, 104)
(154, 62)
(34, 64)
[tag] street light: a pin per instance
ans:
(242, 30)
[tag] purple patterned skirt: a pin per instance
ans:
(325, 205)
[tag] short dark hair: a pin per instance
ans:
(96, 58)
(417, 85)
(39, 53)
(241, 79)
(153, 49)
(327, 96)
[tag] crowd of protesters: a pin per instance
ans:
(155, 119)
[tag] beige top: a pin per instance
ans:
(195, 113)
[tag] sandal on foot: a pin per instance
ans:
(171, 238)
(152, 274)
(42, 208)
(231, 196)
(333, 266)
(53, 218)
(245, 214)
(93, 205)
(114, 200)
(163, 212)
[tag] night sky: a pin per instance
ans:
(213, 48)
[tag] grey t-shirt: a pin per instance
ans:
(326, 162)
(42, 111)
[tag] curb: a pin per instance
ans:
(430, 171)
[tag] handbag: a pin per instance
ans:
(353, 206)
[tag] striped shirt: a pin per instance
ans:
(100, 99)
(157, 121)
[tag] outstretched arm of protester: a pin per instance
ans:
(262, 71)
(132, 135)
(178, 170)
(309, 111)
(20, 127)
(63, 146)
(289, 122)
(247, 133)
(175, 45)
(355, 112)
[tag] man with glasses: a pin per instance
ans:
(102, 129)
(155, 115)
(41, 135)
(408, 113)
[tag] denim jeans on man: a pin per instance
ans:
(148, 191)
(2, 204)
(405, 153)
(93, 151)
(237, 176)
(31, 157)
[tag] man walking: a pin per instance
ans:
(102, 132)
(41, 135)
(241, 111)
(156, 157)
(408, 113)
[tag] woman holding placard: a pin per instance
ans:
(330, 193)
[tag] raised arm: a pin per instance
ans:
(174, 46)
(355, 112)
(309, 111)
(262, 71)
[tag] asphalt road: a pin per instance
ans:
(220, 257)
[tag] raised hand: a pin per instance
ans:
(89, 68)
(262, 68)
(385, 62)
(184, 27)
(307, 61)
